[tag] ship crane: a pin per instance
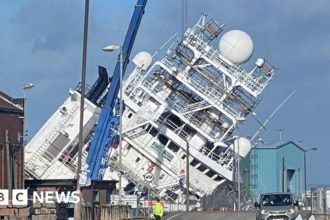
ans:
(104, 135)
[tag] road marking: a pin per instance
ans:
(174, 216)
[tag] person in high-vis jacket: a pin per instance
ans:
(158, 209)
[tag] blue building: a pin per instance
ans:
(277, 167)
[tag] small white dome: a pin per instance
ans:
(143, 59)
(236, 46)
(244, 146)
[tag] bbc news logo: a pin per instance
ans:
(20, 197)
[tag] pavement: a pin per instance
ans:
(211, 216)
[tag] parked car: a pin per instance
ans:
(276, 206)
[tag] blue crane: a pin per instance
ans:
(104, 135)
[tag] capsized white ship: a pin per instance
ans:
(194, 96)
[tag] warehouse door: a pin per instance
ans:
(289, 179)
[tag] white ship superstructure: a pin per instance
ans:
(52, 152)
(194, 96)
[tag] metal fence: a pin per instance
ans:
(318, 201)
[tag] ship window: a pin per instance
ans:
(201, 168)
(153, 132)
(56, 146)
(167, 155)
(189, 130)
(163, 139)
(137, 159)
(173, 147)
(218, 178)
(175, 120)
(183, 157)
(194, 162)
(147, 127)
(210, 173)
(130, 115)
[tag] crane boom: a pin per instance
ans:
(104, 135)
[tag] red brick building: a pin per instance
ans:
(11, 142)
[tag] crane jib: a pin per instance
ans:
(103, 135)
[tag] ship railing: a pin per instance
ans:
(212, 94)
(173, 64)
(197, 106)
(160, 95)
(224, 159)
(190, 117)
(246, 79)
(209, 153)
(255, 84)
(130, 86)
(175, 128)
(199, 123)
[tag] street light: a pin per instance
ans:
(77, 207)
(26, 86)
(305, 151)
(187, 176)
(111, 48)
(237, 169)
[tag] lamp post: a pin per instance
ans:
(238, 175)
(26, 86)
(187, 176)
(305, 151)
(237, 178)
(111, 48)
(237, 164)
(77, 207)
(239, 119)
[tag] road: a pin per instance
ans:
(213, 216)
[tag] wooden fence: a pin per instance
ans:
(106, 212)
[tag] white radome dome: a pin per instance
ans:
(244, 146)
(143, 60)
(236, 46)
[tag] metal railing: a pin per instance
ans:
(256, 85)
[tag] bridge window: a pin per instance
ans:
(175, 148)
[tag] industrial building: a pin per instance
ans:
(274, 167)
(11, 142)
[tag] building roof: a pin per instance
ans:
(277, 145)
(9, 104)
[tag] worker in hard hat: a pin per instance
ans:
(158, 209)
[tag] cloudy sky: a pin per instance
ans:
(41, 42)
